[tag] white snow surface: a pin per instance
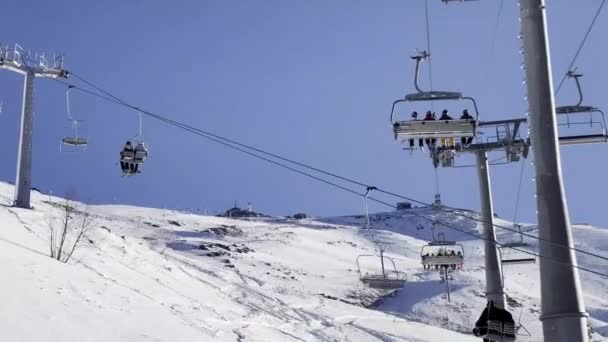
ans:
(142, 275)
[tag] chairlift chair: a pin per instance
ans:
(421, 129)
(499, 331)
(496, 325)
(429, 254)
(137, 155)
(513, 253)
(595, 120)
(141, 153)
(386, 280)
(74, 141)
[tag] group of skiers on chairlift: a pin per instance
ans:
(432, 142)
(439, 254)
(130, 158)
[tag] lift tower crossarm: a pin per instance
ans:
(563, 140)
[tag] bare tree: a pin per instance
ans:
(68, 228)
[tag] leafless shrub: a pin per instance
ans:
(68, 228)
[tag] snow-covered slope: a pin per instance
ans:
(155, 275)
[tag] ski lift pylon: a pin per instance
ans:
(75, 141)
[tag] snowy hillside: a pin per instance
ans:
(155, 275)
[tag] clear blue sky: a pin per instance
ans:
(312, 80)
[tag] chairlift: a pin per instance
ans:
(578, 115)
(388, 279)
(442, 254)
(513, 253)
(132, 157)
(495, 324)
(432, 129)
(73, 142)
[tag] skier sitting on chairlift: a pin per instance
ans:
(466, 141)
(414, 117)
(420, 141)
(126, 158)
(444, 142)
(445, 115)
(430, 142)
(140, 153)
(465, 115)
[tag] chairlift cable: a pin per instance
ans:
(580, 47)
(228, 142)
(436, 181)
(492, 53)
(521, 174)
(428, 43)
(495, 30)
(243, 148)
(197, 132)
(499, 244)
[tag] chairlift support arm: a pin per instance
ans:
(140, 130)
(67, 100)
(571, 74)
(419, 58)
